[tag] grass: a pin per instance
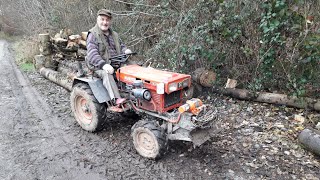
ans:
(27, 67)
(24, 50)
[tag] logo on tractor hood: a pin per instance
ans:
(131, 79)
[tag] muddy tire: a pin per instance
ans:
(89, 113)
(148, 139)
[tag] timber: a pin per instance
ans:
(204, 77)
(83, 44)
(45, 44)
(310, 139)
(57, 78)
(84, 35)
(273, 98)
(39, 61)
(44, 38)
(60, 42)
(231, 83)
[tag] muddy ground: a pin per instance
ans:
(41, 140)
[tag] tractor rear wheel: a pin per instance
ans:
(89, 113)
(148, 139)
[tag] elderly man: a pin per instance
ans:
(103, 43)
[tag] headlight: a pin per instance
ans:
(185, 83)
(173, 87)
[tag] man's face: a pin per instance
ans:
(104, 22)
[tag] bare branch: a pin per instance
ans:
(130, 13)
(137, 4)
(142, 38)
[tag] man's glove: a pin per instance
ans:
(108, 68)
(127, 51)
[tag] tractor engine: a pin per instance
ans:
(154, 90)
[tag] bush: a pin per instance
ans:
(25, 50)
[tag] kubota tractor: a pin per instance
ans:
(160, 95)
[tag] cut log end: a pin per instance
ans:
(204, 77)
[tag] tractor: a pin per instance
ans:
(161, 96)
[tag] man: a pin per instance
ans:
(103, 43)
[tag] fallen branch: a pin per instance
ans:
(272, 98)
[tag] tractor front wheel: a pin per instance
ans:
(89, 113)
(148, 139)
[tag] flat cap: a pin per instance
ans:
(104, 12)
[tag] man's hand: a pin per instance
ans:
(108, 68)
(127, 51)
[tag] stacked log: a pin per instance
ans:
(45, 45)
(60, 56)
(67, 46)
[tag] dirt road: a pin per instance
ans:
(41, 140)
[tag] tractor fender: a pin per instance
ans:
(97, 88)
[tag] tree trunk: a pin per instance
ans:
(57, 78)
(273, 98)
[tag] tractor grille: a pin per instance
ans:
(171, 99)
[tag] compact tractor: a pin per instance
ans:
(161, 96)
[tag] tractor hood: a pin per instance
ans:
(149, 75)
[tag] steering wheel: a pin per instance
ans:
(122, 57)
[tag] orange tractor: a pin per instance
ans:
(160, 95)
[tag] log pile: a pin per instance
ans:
(60, 56)
(69, 46)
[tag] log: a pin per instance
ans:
(207, 78)
(72, 46)
(310, 138)
(60, 42)
(39, 61)
(45, 44)
(204, 77)
(196, 74)
(74, 38)
(66, 72)
(83, 44)
(272, 98)
(44, 38)
(72, 66)
(57, 78)
(84, 35)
